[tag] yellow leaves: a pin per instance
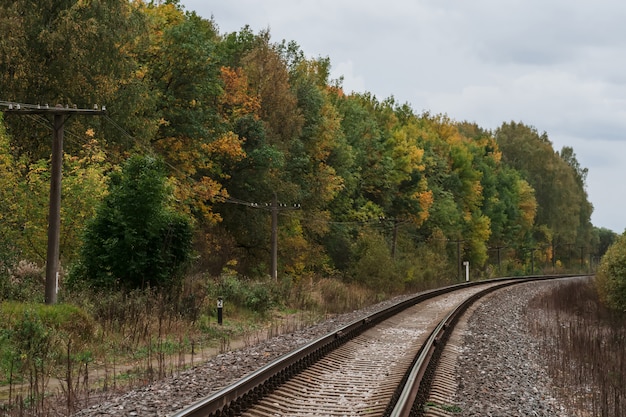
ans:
(165, 15)
(426, 200)
(527, 204)
(197, 169)
(179, 153)
(482, 228)
(228, 145)
(196, 196)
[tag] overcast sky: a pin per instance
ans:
(556, 65)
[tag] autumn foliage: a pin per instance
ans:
(386, 196)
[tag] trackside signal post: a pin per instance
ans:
(60, 115)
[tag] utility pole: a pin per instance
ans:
(458, 258)
(582, 258)
(498, 249)
(394, 233)
(276, 207)
(274, 266)
(60, 115)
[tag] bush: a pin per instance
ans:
(67, 319)
(611, 276)
(374, 266)
(36, 338)
(258, 297)
(135, 239)
(24, 281)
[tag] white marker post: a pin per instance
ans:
(466, 263)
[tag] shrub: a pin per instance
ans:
(70, 320)
(23, 282)
(374, 267)
(258, 297)
(611, 276)
(135, 239)
(35, 338)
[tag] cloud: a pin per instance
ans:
(351, 81)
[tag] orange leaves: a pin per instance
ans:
(197, 169)
(196, 196)
(237, 101)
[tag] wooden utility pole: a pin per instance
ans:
(274, 266)
(60, 115)
(458, 258)
(276, 207)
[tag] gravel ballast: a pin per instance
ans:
(514, 385)
(500, 370)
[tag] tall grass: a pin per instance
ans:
(54, 365)
(584, 345)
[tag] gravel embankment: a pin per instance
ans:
(500, 370)
(513, 385)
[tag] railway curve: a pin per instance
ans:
(373, 366)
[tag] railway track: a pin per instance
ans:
(381, 365)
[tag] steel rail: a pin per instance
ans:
(414, 393)
(240, 395)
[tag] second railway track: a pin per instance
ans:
(376, 366)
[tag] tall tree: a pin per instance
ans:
(562, 207)
(72, 52)
(182, 66)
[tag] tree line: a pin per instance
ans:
(217, 127)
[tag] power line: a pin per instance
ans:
(275, 207)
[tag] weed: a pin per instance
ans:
(445, 407)
(585, 347)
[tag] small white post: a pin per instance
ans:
(466, 263)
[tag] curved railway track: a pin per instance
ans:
(381, 365)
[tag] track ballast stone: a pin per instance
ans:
(500, 370)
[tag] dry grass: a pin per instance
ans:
(584, 345)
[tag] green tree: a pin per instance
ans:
(563, 211)
(10, 205)
(25, 194)
(507, 199)
(74, 52)
(606, 238)
(136, 240)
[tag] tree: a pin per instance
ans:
(73, 52)
(194, 138)
(563, 210)
(10, 198)
(25, 195)
(606, 238)
(136, 240)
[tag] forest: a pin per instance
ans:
(235, 130)
(231, 165)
